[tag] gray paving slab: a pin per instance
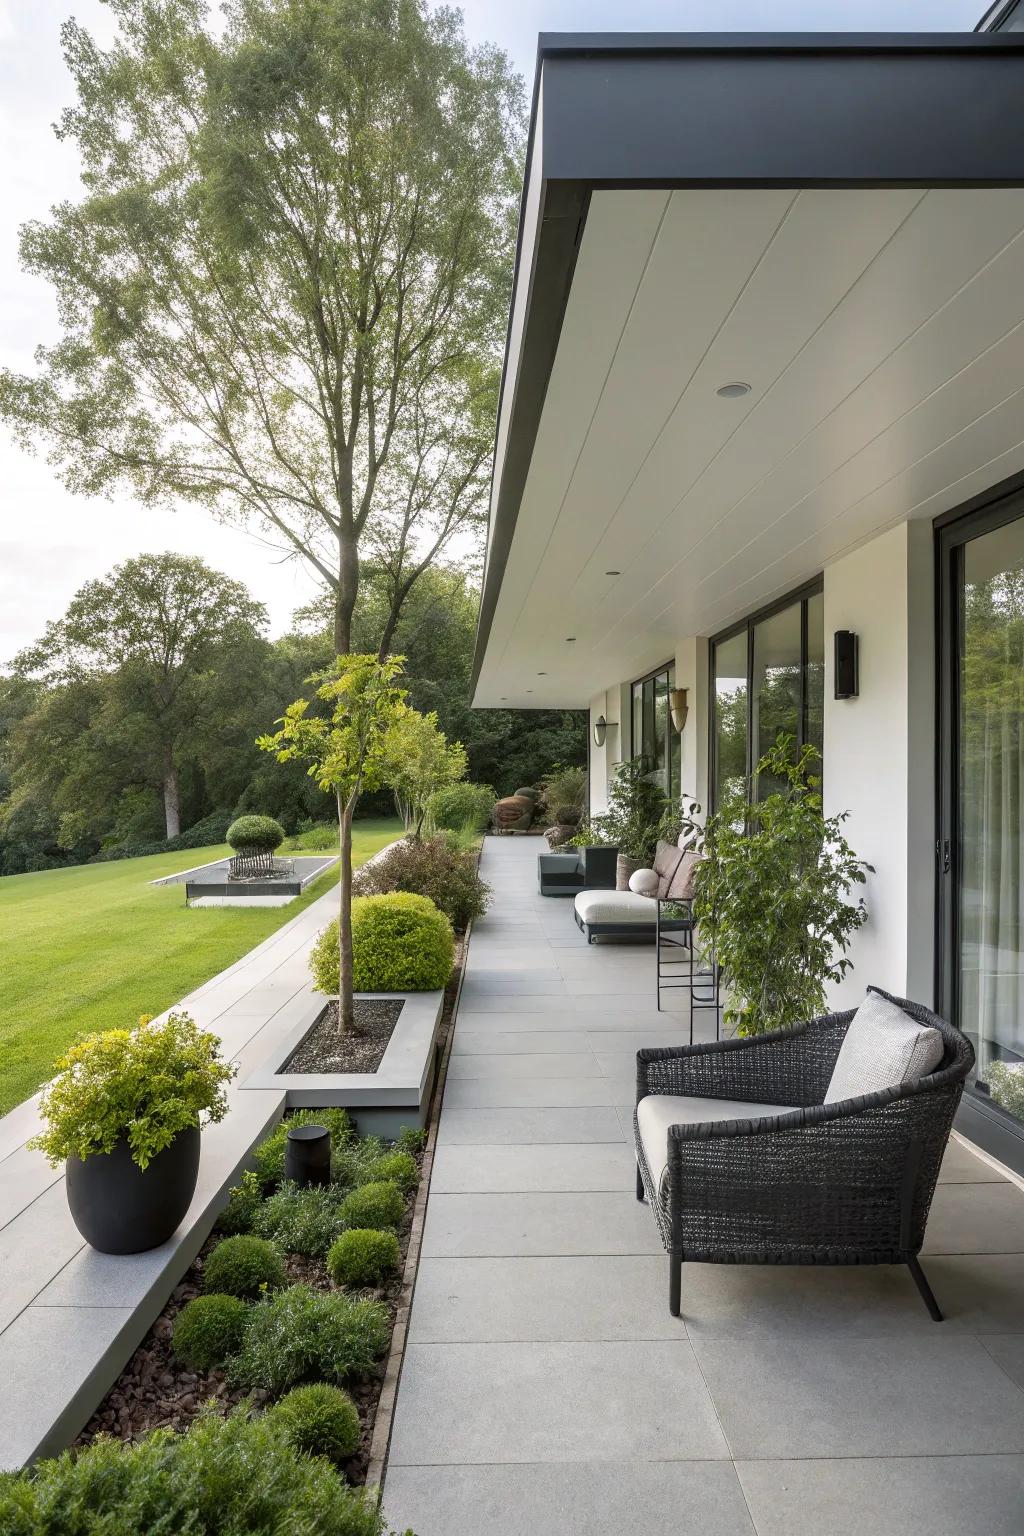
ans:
(524, 1092)
(34, 1247)
(905, 1496)
(976, 1218)
(787, 1396)
(1007, 1350)
(531, 1300)
(486, 1170)
(499, 1126)
(525, 1064)
(548, 1042)
(24, 1175)
(538, 1224)
(982, 1291)
(962, 1166)
(691, 1498)
(558, 1402)
(71, 1358)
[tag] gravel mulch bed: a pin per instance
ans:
(155, 1391)
(328, 1049)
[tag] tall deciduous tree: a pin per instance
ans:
(284, 290)
(420, 760)
(345, 751)
(157, 642)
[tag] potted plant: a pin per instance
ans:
(124, 1111)
(636, 806)
(771, 894)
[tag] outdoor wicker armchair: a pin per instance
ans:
(800, 1181)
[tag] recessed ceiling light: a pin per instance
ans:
(613, 573)
(733, 391)
(542, 674)
(569, 639)
(529, 690)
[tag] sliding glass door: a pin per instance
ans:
(981, 859)
(654, 737)
(767, 676)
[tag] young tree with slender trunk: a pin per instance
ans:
(346, 753)
(284, 290)
(161, 639)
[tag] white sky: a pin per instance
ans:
(51, 541)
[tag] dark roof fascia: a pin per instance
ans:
(627, 130)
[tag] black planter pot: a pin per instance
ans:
(121, 1208)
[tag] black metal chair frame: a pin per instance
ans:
(692, 970)
(844, 1183)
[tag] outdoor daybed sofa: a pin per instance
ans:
(633, 914)
(819, 1144)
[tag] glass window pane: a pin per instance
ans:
(675, 750)
(775, 684)
(638, 720)
(730, 703)
(647, 747)
(815, 685)
(659, 749)
(992, 810)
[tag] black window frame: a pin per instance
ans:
(808, 589)
(666, 670)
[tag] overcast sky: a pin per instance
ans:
(50, 541)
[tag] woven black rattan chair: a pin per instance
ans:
(843, 1183)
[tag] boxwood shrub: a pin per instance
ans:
(261, 834)
(243, 1266)
(400, 943)
(394, 1167)
(433, 867)
(363, 1256)
(208, 1330)
(373, 1205)
(300, 1335)
(320, 1420)
(226, 1475)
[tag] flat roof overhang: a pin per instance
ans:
(699, 209)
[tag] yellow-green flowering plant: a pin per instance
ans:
(144, 1085)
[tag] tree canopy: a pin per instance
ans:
(283, 292)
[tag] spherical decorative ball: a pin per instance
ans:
(644, 882)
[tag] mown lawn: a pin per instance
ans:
(94, 946)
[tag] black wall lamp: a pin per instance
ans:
(846, 671)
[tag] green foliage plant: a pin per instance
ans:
(636, 805)
(1006, 1081)
(233, 1475)
(305, 1220)
(347, 748)
(256, 834)
(430, 867)
(421, 761)
(402, 944)
(208, 1330)
(244, 1266)
(300, 1334)
(564, 786)
(461, 805)
(244, 1200)
(772, 893)
(143, 1086)
(376, 1205)
(395, 1166)
(319, 1420)
(363, 1256)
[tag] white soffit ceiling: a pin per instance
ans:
(882, 334)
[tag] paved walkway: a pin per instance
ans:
(546, 1391)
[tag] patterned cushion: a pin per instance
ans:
(644, 882)
(884, 1048)
(667, 859)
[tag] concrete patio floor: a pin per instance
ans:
(546, 1390)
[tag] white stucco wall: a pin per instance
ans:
(879, 753)
(692, 674)
(614, 705)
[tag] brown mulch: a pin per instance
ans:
(329, 1049)
(154, 1390)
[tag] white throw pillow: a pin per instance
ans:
(884, 1048)
(644, 882)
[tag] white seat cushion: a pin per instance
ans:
(884, 1048)
(658, 1111)
(615, 907)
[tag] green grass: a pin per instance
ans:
(94, 946)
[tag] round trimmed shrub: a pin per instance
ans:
(461, 805)
(258, 834)
(373, 1205)
(363, 1256)
(393, 1167)
(319, 1420)
(431, 867)
(400, 943)
(209, 1330)
(243, 1266)
(300, 1334)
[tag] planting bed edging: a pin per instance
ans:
(380, 1102)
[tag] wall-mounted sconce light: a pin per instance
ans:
(846, 671)
(601, 729)
(679, 707)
